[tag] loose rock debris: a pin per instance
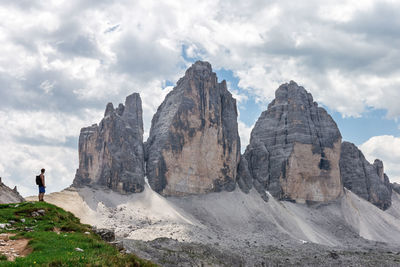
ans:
(13, 248)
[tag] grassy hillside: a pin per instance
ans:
(57, 238)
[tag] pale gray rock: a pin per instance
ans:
(111, 154)
(194, 146)
(294, 149)
(364, 179)
(8, 195)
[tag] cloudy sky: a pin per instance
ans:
(62, 61)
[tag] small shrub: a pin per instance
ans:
(3, 257)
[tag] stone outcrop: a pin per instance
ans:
(294, 149)
(8, 195)
(396, 187)
(111, 154)
(194, 146)
(364, 179)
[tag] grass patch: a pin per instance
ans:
(59, 249)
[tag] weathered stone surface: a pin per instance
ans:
(105, 234)
(364, 179)
(294, 148)
(396, 187)
(194, 146)
(244, 178)
(111, 154)
(8, 195)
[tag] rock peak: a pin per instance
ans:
(293, 92)
(294, 148)
(8, 195)
(201, 65)
(200, 70)
(111, 154)
(194, 146)
(363, 178)
(109, 109)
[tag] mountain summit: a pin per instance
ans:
(294, 149)
(194, 145)
(111, 154)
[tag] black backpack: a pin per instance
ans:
(38, 180)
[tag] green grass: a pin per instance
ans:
(52, 249)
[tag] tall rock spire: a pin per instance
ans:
(194, 146)
(111, 154)
(294, 148)
(364, 179)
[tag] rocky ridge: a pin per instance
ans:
(366, 180)
(194, 145)
(8, 195)
(294, 149)
(111, 154)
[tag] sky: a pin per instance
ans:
(61, 62)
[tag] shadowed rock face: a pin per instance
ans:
(294, 149)
(111, 154)
(194, 147)
(396, 187)
(8, 195)
(364, 179)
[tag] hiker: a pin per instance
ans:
(41, 185)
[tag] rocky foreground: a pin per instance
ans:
(234, 228)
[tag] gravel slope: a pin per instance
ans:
(241, 226)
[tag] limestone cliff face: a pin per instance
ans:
(194, 146)
(295, 148)
(8, 195)
(111, 154)
(364, 179)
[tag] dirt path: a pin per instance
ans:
(13, 248)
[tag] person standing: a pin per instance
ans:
(42, 185)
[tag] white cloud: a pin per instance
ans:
(387, 149)
(244, 133)
(62, 59)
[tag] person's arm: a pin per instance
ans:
(42, 177)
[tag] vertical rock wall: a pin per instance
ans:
(294, 148)
(111, 154)
(364, 179)
(194, 146)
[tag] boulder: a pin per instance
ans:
(105, 234)
(194, 146)
(294, 149)
(364, 179)
(111, 154)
